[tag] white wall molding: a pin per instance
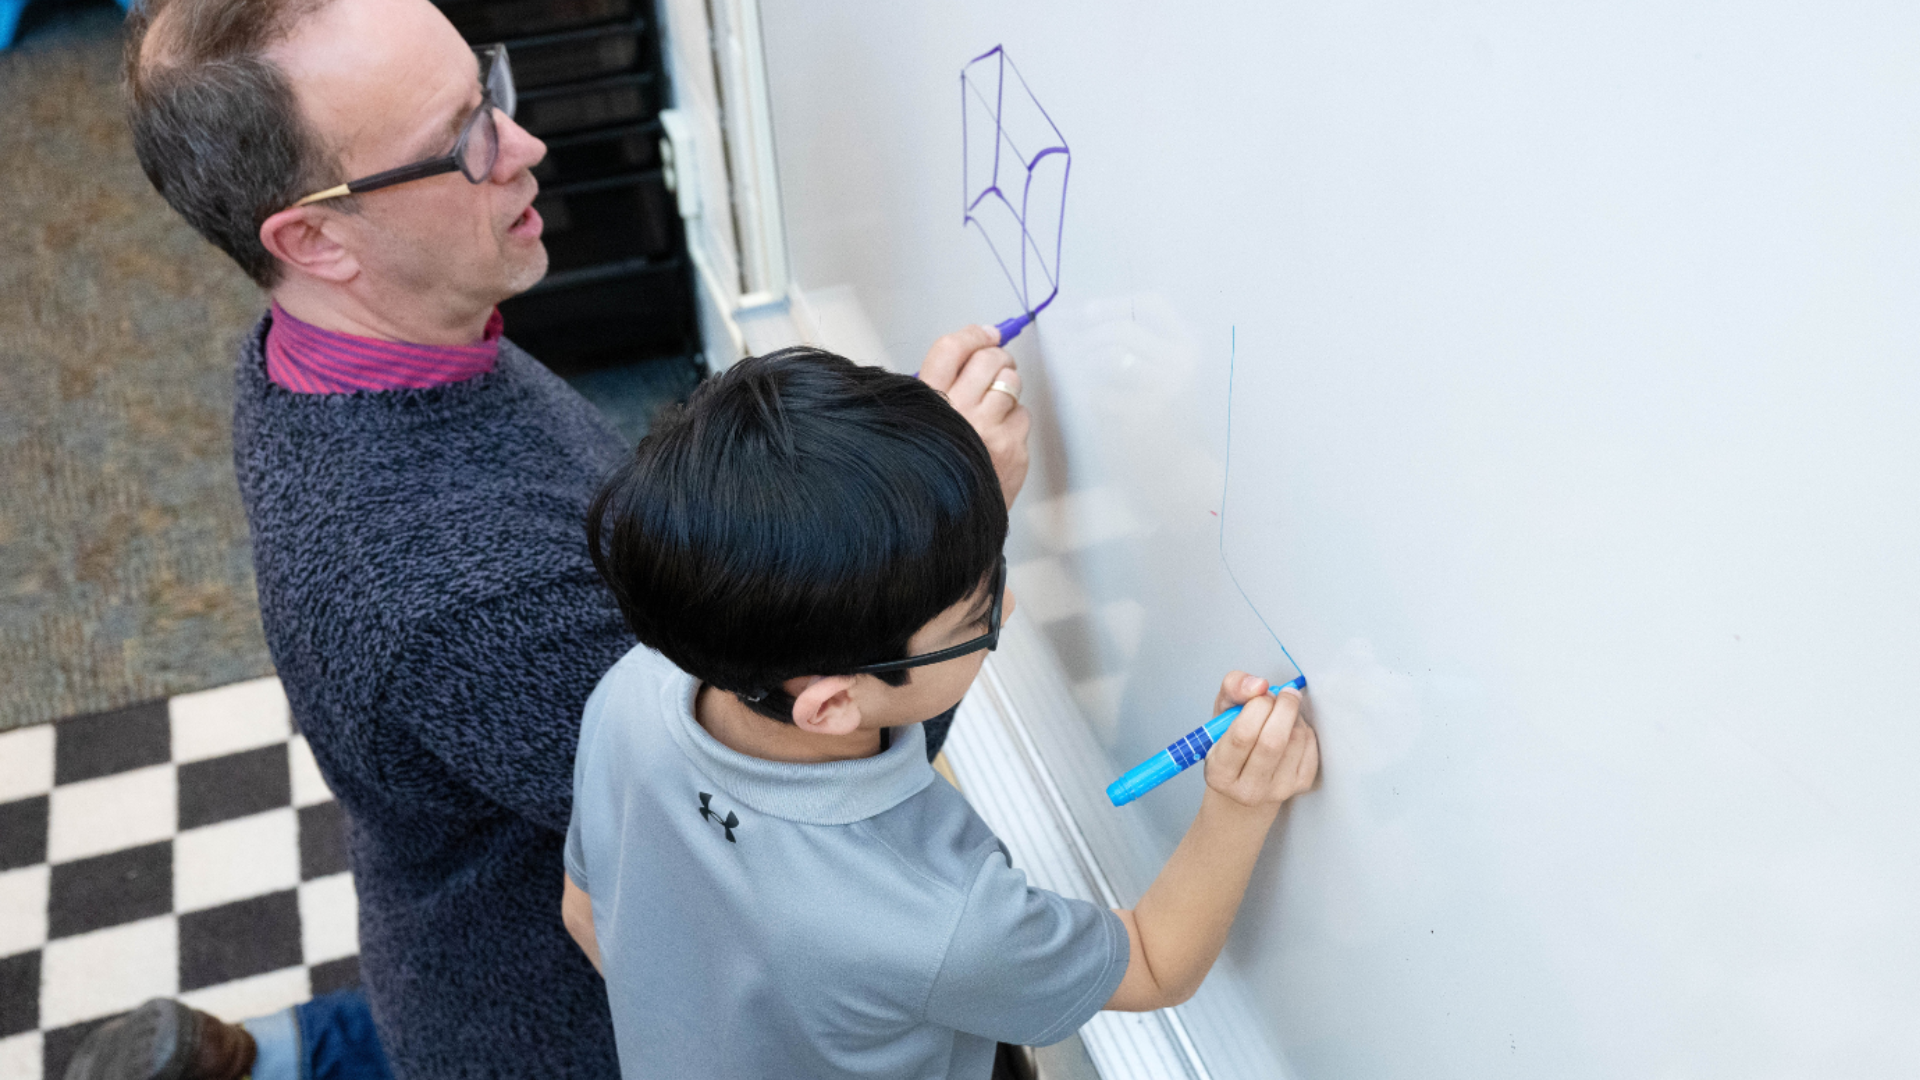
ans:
(719, 157)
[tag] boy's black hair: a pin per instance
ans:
(800, 515)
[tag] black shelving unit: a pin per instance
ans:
(619, 287)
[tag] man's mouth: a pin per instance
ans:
(528, 225)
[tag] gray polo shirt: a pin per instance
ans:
(767, 919)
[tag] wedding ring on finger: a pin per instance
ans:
(1006, 388)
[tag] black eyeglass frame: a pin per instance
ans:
(497, 92)
(988, 641)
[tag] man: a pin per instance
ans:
(416, 488)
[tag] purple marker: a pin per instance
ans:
(1012, 327)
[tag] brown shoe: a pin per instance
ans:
(164, 1040)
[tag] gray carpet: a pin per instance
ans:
(124, 568)
(125, 572)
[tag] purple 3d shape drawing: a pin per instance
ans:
(1016, 163)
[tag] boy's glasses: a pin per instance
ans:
(988, 641)
(474, 153)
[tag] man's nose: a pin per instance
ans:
(519, 149)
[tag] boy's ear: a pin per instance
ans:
(824, 705)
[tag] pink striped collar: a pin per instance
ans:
(305, 359)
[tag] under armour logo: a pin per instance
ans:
(727, 823)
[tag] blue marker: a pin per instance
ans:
(1189, 750)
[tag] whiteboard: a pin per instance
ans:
(1575, 455)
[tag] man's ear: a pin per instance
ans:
(824, 705)
(303, 238)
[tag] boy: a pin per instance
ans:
(769, 877)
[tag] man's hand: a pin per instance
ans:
(964, 365)
(1270, 754)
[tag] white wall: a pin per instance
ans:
(1576, 457)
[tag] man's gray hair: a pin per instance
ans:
(215, 122)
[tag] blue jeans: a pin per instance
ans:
(328, 1038)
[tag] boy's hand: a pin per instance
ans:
(1177, 929)
(964, 365)
(1270, 753)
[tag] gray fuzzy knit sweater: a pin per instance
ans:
(424, 583)
(430, 606)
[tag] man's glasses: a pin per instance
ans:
(474, 153)
(988, 641)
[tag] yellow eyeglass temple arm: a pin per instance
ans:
(323, 196)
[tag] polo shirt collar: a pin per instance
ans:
(820, 793)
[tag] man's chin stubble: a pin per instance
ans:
(527, 276)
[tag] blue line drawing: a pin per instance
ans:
(1009, 142)
(1226, 477)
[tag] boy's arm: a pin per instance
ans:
(1178, 928)
(576, 910)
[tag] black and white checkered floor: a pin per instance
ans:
(186, 847)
